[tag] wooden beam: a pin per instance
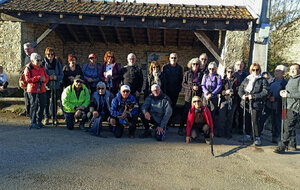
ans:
(209, 45)
(112, 21)
(73, 34)
(88, 34)
(148, 36)
(133, 36)
(178, 38)
(102, 34)
(44, 35)
(118, 35)
(220, 39)
(164, 37)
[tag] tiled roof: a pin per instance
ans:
(128, 9)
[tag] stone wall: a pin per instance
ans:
(10, 49)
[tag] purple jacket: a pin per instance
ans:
(211, 83)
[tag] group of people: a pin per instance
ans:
(213, 104)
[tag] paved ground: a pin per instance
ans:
(56, 158)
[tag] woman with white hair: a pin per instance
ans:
(36, 78)
(211, 86)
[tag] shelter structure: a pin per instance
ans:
(151, 31)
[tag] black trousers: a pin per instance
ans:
(27, 102)
(119, 128)
(197, 130)
(152, 121)
(289, 130)
(255, 120)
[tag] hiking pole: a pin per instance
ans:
(283, 116)
(52, 101)
(244, 122)
(250, 111)
(54, 116)
(212, 145)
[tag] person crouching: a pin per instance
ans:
(75, 101)
(199, 120)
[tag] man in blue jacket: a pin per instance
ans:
(124, 110)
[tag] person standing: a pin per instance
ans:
(228, 103)
(132, 75)
(71, 70)
(110, 72)
(203, 63)
(291, 114)
(253, 92)
(28, 49)
(192, 87)
(91, 73)
(36, 78)
(274, 102)
(55, 73)
(3, 79)
(174, 75)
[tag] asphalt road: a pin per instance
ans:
(56, 158)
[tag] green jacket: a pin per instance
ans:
(70, 101)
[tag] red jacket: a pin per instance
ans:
(190, 119)
(33, 78)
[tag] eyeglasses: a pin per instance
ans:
(197, 101)
(173, 57)
(195, 64)
(211, 69)
(39, 60)
(157, 67)
(79, 81)
(229, 71)
(125, 91)
(255, 69)
(50, 54)
(101, 88)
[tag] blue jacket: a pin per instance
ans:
(89, 72)
(117, 105)
(108, 97)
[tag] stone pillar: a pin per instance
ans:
(10, 50)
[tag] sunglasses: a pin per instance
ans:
(195, 64)
(101, 88)
(157, 67)
(211, 69)
(50, 54)
(79, 81)
(92, 58)
(173, 57)
(255, 69)
(229, 71)
(39, 60)
(203, 59)
(197, 101)
(126, 91)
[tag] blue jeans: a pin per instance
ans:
(70, 118)
(37, 105)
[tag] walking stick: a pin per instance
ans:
(212, 145)
(244, 122)
(250, 110)
(54, 111)
(283, 116)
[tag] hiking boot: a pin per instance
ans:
(257, 141)
(207, 140)
(46, 121)
(40, 125)
(180, 131)
(82, 128)
(34, 125)
(279, 150)
(145, 135)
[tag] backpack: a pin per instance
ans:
(22, 80)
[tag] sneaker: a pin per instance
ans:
(40, 125)
(257, 141)
(34, 125)
(279, 150)
(46, 121)
(247, 138)
(145, 135)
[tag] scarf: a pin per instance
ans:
(250, 84)
(156, 78)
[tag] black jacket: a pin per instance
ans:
(260, 92)
(188, 84)
(133, 77)
(227, 85)
(173, 78)
(150, 82)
